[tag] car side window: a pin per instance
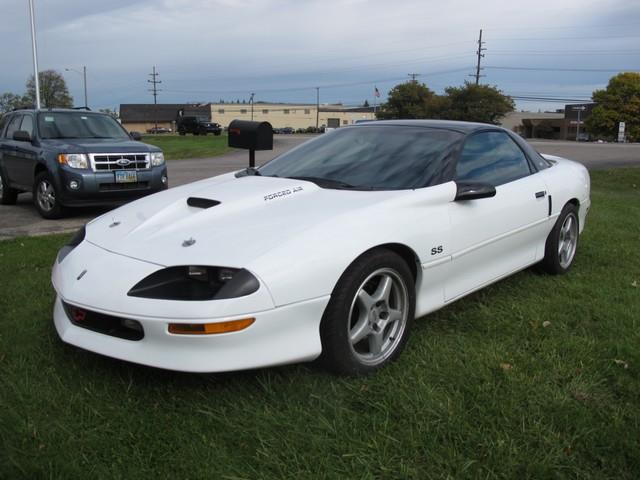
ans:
(493, 158)
(14, 126)
(27, 124)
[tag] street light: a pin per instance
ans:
(35, 55)
(252, 106)
(84, 81)
(579, 109)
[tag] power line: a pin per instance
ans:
(557, 69)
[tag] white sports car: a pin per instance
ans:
(330, 250)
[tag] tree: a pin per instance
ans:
(113, 113)
(53, 90)
(619, 102)
(9, 101)
(407, 100)
(365, 104)
(476, 103)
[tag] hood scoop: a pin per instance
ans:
(199, 202)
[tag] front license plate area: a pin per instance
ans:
(126, 176)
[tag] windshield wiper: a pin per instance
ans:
(327, 182)
(249, 172)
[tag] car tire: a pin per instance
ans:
(8, 195)
(368, 319)
(562, 243)
(46, 197)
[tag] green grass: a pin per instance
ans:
(483, 390)
(176, 147)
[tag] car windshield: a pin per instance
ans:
(369, 157)
(78, 125)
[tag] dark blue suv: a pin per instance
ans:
(73, 158)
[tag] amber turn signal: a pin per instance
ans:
(210, 328)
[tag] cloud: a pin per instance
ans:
(204, 48)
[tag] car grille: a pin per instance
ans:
(106, 324)
(109, 162)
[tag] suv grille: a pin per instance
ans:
(108, 162)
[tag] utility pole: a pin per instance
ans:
(251, 100)
(35, 55)
(480, 57)
(154, 81)
(317, 108)
(84, 79)
(413, 76)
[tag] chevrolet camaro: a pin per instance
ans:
(326, 252)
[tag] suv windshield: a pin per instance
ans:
(78, 125)
(369, 157)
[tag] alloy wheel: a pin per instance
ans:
(378, 316)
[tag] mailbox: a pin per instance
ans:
(251, 135)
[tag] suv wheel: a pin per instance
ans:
(45, 197)
(8, 195)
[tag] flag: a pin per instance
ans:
(376, 92)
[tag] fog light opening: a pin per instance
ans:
(164, 179)
(73, 185)
(210, 328)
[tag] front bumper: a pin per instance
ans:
(100, 188)
(97, 280)
(287, 334)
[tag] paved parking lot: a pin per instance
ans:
(22, 219)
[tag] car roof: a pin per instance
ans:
(462, 127)
(56, 110)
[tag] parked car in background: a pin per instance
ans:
(69, 158)
(197, 126)
(157, 130)
(287, 130)
(377, 224)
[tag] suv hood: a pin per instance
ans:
(255, 215)
(98, 145)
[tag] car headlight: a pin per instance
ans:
(71, 244)
(157, 159)
(195, 282)
(74, 160)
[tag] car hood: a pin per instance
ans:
(98, 145)
(254, 215)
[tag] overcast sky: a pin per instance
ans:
(206, 50)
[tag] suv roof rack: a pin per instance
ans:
(23, 107)
(81, 108)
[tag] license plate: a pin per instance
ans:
(126, 176)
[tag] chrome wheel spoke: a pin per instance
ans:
(376, 341)
(395, 315)
(360, 330)
(365, 302)
(383, 292)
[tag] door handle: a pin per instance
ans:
(540, 194)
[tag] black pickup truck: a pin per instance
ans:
(197, 126)
(69, 157)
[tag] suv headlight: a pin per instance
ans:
(74, 160)
(157, 159)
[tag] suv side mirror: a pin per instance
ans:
(135, 136)
(22, 136)
(474, 191)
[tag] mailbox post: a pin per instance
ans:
(251, 136)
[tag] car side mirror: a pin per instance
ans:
(474, 191)
(135, 136)
(22, 136)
